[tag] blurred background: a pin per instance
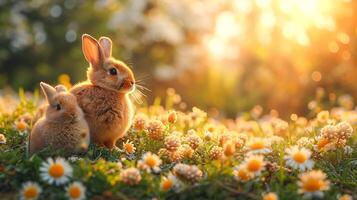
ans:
(226, 55)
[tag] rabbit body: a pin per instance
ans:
(108, 112)
(63, 127)
(104, 97)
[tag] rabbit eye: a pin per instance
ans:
(113, 71)
(58, 107)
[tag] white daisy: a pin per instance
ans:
(171, 182)
(254, 164)
(30, 191)
(56, 171)
(242, 174)
(76, 191)
(150, 162)
(21, 126)
(299, 158)
(259, 146)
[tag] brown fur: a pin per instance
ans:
(104, 97)
(64, 129)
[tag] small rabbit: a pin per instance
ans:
(63, 125)
(104, 97)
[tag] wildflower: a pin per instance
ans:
(194, 141)
(130, 176)
(241, 173)
(172, 117)
(224, 138)
(139, 122)
(169, 182)
(191, 132)
(56, 171)
(129, 147)
(333, 137)
(240, 140)
(2, 139)
(197, 115)
(76, 191)
(280, 127)
(323, 116)
(345, 130)
(216, 153)
(163, 152)
(74, 158)
(190, 173)
(21, 126)
(344, 197)
(329, 132)
(259, 145)
(321, 144)
(299, 158)
(172, 143)
(229, 148)
(270, 196)
(304, 142)
(30, 191)
(175, 156)
(150, 162)
(155, 129)
(255, 164)
(186, 151)
(208, 135)
(313, 183)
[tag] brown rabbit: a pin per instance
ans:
(63, 125)
(104, 97)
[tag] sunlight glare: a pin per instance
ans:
(227, 26)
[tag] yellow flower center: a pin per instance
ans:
(312, 185)
(151, 161)
(2, 138)
(31, 192)
(270, 196)
(322, 143)
(211, 129)
(74, 192)
(21, 126)
(257, 145)
(345, 197)
(167, 184)
(56, 170)
(243, 174)
(299, 157)
(129, 147)
(254, 165)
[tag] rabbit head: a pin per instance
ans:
(62, 105)
(105, 71)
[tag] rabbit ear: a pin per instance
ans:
(61, 88)
(106, 44)
(48, 90)
(91, 50)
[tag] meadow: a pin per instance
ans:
(234, 99)
(170, 153)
